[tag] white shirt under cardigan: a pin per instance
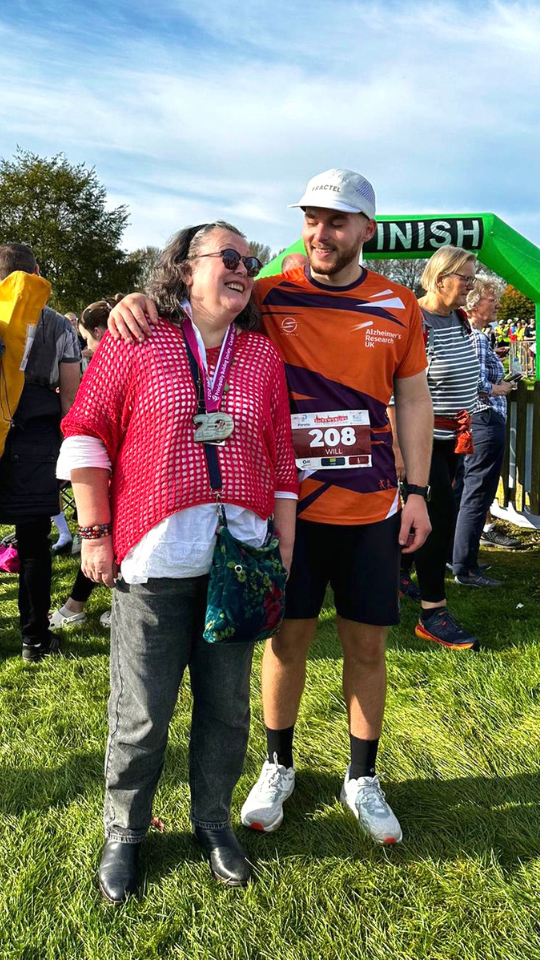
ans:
(180, 546)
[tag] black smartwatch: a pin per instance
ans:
(424, 492)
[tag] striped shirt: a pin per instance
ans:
(453, 367)
(491, 371)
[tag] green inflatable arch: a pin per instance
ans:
(498, 246)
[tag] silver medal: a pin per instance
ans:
(213, 427)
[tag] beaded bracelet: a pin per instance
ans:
(96, 531)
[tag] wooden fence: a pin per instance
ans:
(520, 474)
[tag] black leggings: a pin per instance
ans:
(82, 588)
(34, 552)
(431, 558)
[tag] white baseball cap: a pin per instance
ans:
(342, 190)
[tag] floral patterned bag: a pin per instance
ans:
(246, 593)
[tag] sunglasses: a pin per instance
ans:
(231, 259)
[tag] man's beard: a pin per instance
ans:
(346, 257)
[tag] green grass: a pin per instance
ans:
(460, 752)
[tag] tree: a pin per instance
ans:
(515, 304)
(60, 210)
(407, 272)
(260, 250)
(145, 259)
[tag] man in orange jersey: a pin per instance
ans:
(349, 338)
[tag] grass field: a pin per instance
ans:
(460, 754)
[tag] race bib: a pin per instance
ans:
(333, 440)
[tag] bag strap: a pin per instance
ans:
(210, 451)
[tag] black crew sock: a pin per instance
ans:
(425, 614)
(363, 757)
(279, 742)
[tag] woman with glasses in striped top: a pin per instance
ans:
(453, 382)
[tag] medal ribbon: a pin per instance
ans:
(213, 386)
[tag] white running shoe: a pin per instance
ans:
(263, 809)
(367, 801)
(105, 619)
(63, 618)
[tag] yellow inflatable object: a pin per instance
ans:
(22, 298)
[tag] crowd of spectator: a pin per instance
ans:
(516, 340)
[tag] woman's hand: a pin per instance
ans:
(284, 526)
(503, 388)
(132, 318)
(286, 556)
(97, 561)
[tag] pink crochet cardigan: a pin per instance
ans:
(139, 399)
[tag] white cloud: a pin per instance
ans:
(230, 115)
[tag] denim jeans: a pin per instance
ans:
(156, 632)
(480, 481)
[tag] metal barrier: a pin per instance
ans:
(521, 350)
(518, 496)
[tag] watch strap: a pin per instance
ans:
(424, 492)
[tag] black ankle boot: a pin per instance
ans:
(118, 870)
(228, 861)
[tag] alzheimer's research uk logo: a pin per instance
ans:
(289, 325)
(373, 335)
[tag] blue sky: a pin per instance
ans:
(207, 109)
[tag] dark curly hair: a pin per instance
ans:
(168, 283)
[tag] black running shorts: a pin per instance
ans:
(361, 564)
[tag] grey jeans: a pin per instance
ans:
(156, 632)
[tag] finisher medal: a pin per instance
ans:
(213, 427)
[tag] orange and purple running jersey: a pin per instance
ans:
(343, 347)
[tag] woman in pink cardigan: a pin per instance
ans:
(148, 517)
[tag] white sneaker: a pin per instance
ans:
(63, 618)
(367, 801)
(76, 545)
(105, 619)
(263, 809)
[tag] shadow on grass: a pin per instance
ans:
(163, 852)
(450, 821)
(72, 646)
(9, 625)
(26, 789)
(78, 646)
(496, 819)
